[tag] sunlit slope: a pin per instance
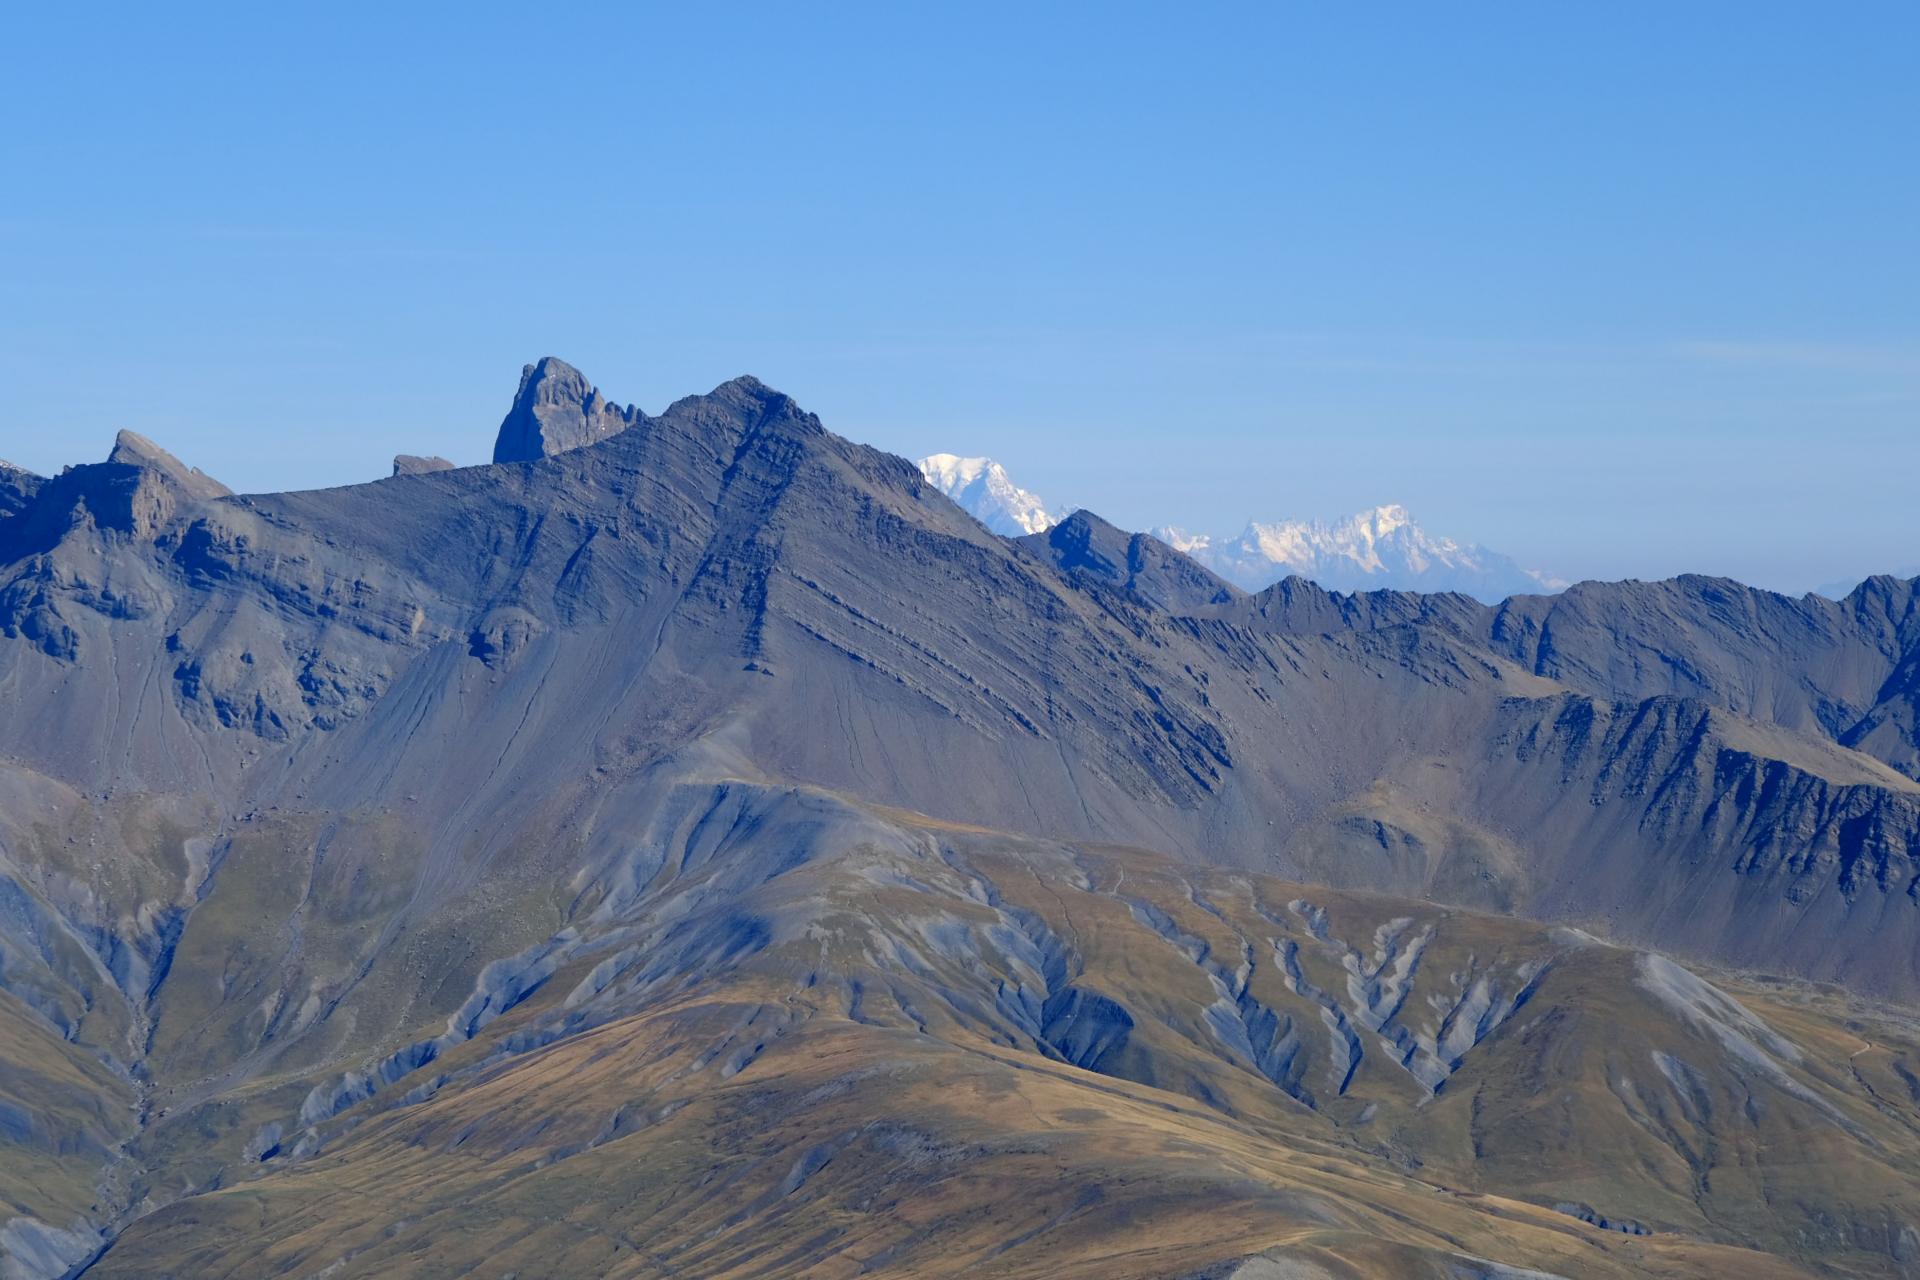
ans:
(836, 1038)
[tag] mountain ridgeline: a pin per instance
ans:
(329, 812)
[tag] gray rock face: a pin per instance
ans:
(133, 450)
(556, 410)
(1836, 669)
(409, 464)
(1842, 671)
(17, 488)
(135, 492)
(1155, 574)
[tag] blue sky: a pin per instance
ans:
(1622, 290)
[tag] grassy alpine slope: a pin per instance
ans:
(922, 1049)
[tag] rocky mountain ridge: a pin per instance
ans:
(310, 792)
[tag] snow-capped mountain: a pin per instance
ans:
(1380, 548)
(1383, 548)
(982, 487)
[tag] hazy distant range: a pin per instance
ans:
(1381, 548)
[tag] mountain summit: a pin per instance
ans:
(555, 410)
(984, 489)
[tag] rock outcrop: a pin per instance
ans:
(135, 493)
(555, 410)
(17, 487)
(133, 450)
(1155, 574)
(409, 464)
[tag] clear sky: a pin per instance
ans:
(1621, 289)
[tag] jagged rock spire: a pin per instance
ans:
(557, 409)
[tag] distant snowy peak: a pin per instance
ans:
(1197, 545)
(1380, 548)
(1382, 540)
(1383, 548)
(984, 490)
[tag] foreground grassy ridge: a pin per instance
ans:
(931, 1050)
(842, 1149)
(64, 1115)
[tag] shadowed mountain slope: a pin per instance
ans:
(1840, 669)
(1088, 550)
